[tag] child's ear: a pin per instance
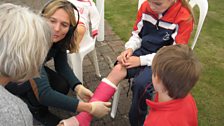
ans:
(156, 83)
(157, 78)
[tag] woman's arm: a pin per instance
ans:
(49, 97)
(63, 69)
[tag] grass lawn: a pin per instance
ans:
(209, 91)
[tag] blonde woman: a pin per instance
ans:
(24, 42)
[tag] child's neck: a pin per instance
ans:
(164, 97)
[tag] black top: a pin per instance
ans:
(50, 97)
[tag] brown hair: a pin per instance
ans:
(50, 8)
(177, 68)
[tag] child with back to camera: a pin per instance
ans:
(175, 71)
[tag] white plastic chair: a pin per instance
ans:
(87, 45)
(100, 6)
(203, 8)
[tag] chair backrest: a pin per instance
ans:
(140, 3)
(203, 9)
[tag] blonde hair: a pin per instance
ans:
(25, 39)
(51, 7)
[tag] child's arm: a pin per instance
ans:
(135, 61)
(135, 40)
(184, 32)
(96, 108)
(147, 59)
(133, 43)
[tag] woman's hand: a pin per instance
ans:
(97, 109)
(100, 109)
(72, 121)
(84, 93)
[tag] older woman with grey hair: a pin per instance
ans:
(51, 89)
(24, 43)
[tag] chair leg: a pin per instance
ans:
(75, 62)
(100, 7)
(115, 102)
(95, 62)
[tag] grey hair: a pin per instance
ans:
(25, 39)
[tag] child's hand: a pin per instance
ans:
(84, 93)
(132, 61)
(123, 57)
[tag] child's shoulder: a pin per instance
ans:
(184, 10)
(183, 14)
(82, 3)
(145, 4)
(87, 2)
